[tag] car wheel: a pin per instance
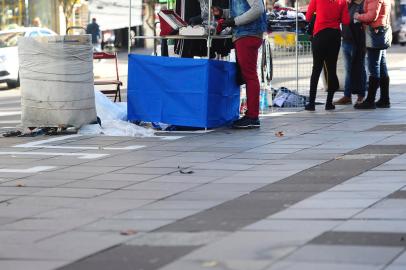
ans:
(402, 43)
(13, 84)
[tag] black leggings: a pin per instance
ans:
(325, 46)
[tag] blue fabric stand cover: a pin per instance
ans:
(185, 92)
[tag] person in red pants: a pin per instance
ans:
(248, 19)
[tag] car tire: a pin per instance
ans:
(13, 84)
(402, 43)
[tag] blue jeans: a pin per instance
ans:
(377, 63)
(349, 51)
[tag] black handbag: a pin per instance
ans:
(379, 37)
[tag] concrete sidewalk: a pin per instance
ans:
(330, 194)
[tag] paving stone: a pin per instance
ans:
(252, 246)
(18, 191)
(218, 265)
(177, 239)
(19, 237)
(316, 214)
(130, 258)
(155, 214)
(37, 182)
(293, 225)
(214, 187)
(322, 266)
(30, 264)
(345, 254)
(381, 149)
(164, 186)
(312, 203)
(123, 177)
(395, 267)
(398, 195)
(112, 206)
(391, 204)
(47, 225)
(216, 195)
(361, 239)
(72, 192)
(185, 179)
(382, 213)
(98, 184)
(388, 128)
(148, 171)
(181, 205)
(118, 225)
(138, 194)
(401, 260)
(384, 226)
(80, 169)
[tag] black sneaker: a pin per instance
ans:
(246, 123)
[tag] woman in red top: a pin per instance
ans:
(376, 16)
(326, 45)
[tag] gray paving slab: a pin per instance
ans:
(218, 265)
(345, 254)
(388, 128)
(281, 225)
(18, 191)
(382, 213)
(47, 225)
(398, 195)
(130, 258)
(71, 192)
(18, 237)
(155, 214)
(123, 177)
(252, 246)
(340, 214)
(384, 226)
(97, 184)
(37, 182)
(401, 260)
(361, 239)
(138, 194)
(177, 238)
(322, 266)
(30, 264)
(148, 171)
(119, 225)
(185, 205)
(166, 186)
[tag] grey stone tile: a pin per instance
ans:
(345, 254)
(265, 179)
(217, 195)
(61, 175)
(30, 264)
(293, 225)
(89, 169)
(181, 205)
(155, 214)
(391, 204)
(148, 171)
(72, 192)
(384, 226)
(47, 225)
(395, 267)
(316, 214)
(235, 187)
(130, 258)
(382, 213)
(312, 203)
(18, 191)
(401, 260)
(138, 194)
(252, 246)
(218, 265)
(361, 239)
(109, 206)
(164, 186)
(118, 225)
(185, 179)
(37, 182)
(388, 128)
(98, 184)
(322, 266)
(177, 238)
(15, 211)
(17, 237)
(123, 177)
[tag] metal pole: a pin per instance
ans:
(297, 46)
(129, 27)
(209, 31)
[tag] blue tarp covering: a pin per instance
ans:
(184, 92)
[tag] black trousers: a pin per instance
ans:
(325, 46)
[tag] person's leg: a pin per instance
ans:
(384, 101)
(363, 78)
(374, 67)
(331, 63)
(348, 52)
(247, 54)
(318, 61)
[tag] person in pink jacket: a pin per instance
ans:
(376, 15)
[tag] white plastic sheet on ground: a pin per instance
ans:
(113, 118)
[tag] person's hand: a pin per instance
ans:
(229, 23)
(195, 20)
(356, 15)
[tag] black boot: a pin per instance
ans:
(311, 106)
(329, 102)
(369, 102)
(384, 102)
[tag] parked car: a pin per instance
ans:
(402, 35)
(9, 52)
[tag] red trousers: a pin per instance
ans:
(247, 56)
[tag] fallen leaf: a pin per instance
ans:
(279, 134)
(128, 232)
(20, 184)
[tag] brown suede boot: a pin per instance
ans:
(343, 101)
